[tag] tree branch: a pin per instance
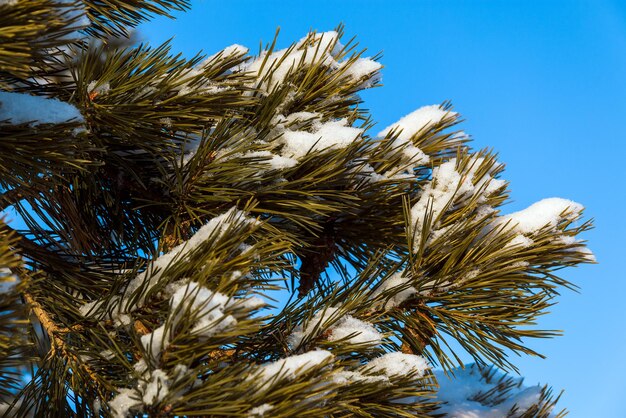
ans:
(10, 198)
(55, 334)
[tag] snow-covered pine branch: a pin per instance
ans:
(168, 201)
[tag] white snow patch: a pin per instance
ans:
(335, 134)
(546, 213)
(275, 161)
(259, 411)
(520, 241)
(205, 305)
(234, 49)
(416, 121)
(214, 229)
(206, 86)
(21, 108)
(157, 387)
(278, 65)
(359, 332)
(156, 341)
(347, 377)
(447, 188)
(362, 68)
(291, 367)
(458, 392)
(397, 285)
(399, 364)
(125, 400)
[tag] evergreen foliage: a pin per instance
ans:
(166, 201)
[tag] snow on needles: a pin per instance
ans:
(546, 213)
(290, 367)
(214, 229)
(334, 134)
(362, 69)
(416, 121)
(124, 401)
(382, 370)
(399, 364)
(194, 83)
(22, 108)
(156, 388)
(448, 186)
(398, 287)
(205, 305)
(152, 388)
(207, 309)
(259, 411)
(346, 327)
(459, 394)
(274, 68)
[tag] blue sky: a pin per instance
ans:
(541, 82)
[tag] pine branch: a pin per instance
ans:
(176, 192)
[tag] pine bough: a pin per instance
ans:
(166, 201)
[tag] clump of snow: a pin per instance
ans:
(403, 131)
(206, 308)
(20, 108)
(152, 388)
(205, 305)
(346, 377)
(362, 68)
(436, 196)
(399, 364)
(589, 255)
(205, 88)
(546, 213)
(259, 411)
(156, 388)
(125, 400)
(192, 83)
(520, 241)
(447, 187)
(400, 288)
(416, 121)
(459, 394)
(275, 68)
(353, 330)
(234, 49)
(335, 134)
(578, 246)
(156, 341)
(291, 367)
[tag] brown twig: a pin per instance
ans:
(55, 333)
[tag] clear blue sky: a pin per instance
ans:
(541, 82)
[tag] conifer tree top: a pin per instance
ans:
(166, 199)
